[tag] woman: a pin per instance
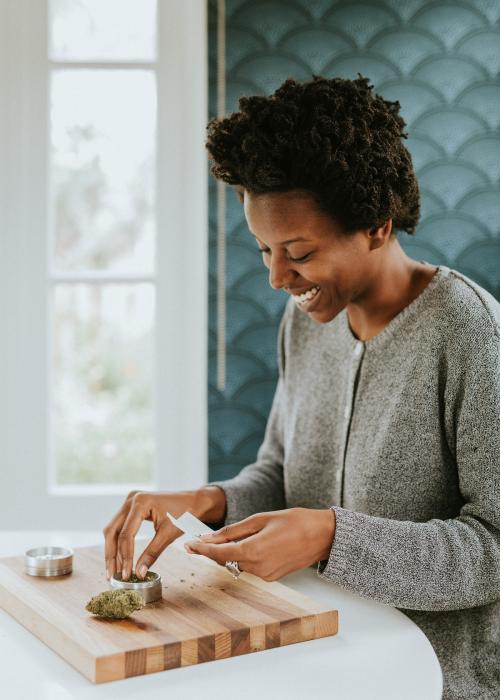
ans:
(380, 462)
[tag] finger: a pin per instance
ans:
(248, 565)
(111, 542)
(236, 531)
(130, 528)
(231, 551)
(164, 536)
(111, 532)
(119, 562)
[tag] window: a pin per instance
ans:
(102, 232)
(103, 241)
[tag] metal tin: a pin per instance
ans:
(150, 590)
(48, 561)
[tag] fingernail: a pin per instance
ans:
(107, 574)
(124, 575)
(143, 570)
(207, 534)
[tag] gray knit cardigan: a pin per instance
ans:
(400, 435)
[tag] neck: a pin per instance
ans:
(397, 281)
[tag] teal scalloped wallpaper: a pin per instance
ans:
(441, 60)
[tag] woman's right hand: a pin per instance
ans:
(207, 504)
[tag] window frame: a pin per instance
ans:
(180, 392)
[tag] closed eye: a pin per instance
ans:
(302, 259)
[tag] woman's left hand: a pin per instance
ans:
(272, 544)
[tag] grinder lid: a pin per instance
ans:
(48, 561)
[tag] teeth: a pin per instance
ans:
(301, 298)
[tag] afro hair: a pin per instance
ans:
(333, 138)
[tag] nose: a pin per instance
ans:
(280, 273)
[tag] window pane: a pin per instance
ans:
(103, 131)
(102, 409)
(113, 30)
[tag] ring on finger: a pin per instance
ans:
(233, 568)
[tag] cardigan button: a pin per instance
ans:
(358, 348)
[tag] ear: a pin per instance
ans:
(380, 235)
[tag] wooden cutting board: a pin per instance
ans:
(205, 614)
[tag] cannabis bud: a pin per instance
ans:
(117, 604)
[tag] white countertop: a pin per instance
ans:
(378, 654)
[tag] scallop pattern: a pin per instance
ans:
(483, 100)
(415, 99)
(441, 60)
(448, 127)
(405, 48)
(448, 22)
(484, 48)
(450, 75)
(360, 20)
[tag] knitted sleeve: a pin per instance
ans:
(440, 564)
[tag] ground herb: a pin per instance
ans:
(117, 604)
(150, 576)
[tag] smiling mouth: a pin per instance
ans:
(306, 297)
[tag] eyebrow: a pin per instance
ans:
(290, 240)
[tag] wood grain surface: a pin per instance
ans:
(205, 614)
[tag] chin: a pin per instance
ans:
(324, 316)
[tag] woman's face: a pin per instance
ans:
(307, 254)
